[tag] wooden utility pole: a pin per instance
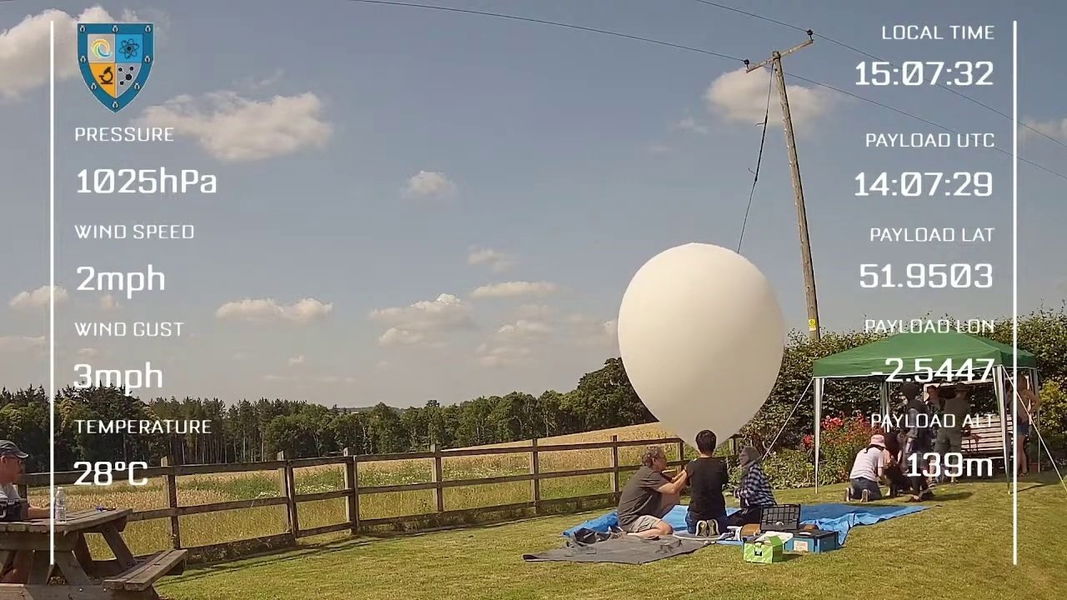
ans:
(775, 62)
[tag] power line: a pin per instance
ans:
(872, 56)
(510, 17)
(759, 161)
(751, 14)
(927, 121)
(694, 49)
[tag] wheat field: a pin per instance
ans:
(217, 527)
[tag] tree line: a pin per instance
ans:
(257, 430)
(252, 431)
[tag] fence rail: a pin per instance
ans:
(352, 491)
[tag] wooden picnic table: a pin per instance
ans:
(122, 578)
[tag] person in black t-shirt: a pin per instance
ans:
(707, 477)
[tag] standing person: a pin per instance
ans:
(894, 474)
(1025, 406)
(649, 495)
(754, 491)
(955, 405)
(707, 477)
(17, 569)
(916, 438)
(867, 470)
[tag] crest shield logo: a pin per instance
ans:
(115, 60)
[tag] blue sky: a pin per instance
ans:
(381, 164)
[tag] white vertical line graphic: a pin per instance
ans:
(52, 289)
(1015, 291)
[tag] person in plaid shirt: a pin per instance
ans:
(754, 491)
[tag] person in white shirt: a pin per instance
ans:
(867, 470)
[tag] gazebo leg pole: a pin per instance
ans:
(818, 427)
(998, 384)
(1033, 418)
(883, 402)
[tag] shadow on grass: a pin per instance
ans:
(306, 550)
(938, 497)
(274, 558)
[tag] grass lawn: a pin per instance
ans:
(960, 548)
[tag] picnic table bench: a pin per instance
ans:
(122, 578)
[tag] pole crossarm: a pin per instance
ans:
(776, 55)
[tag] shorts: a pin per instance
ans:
(858, 484)
(949, 439)
(642, 523)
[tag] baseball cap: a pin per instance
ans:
(8, 448)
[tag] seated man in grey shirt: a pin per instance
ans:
(649, 495)
(17, 568)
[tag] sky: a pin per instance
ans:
(417, 204)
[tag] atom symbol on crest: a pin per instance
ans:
(129, 48)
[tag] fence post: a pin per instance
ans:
(171, 482)
(535, 471)
(615, 465)
(289, 489)
(438, 477)
(352, 485)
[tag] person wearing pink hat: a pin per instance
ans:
(867, 470)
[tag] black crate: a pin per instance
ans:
(780, 517)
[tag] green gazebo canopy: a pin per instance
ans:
(870, 359)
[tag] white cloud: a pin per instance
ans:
(524, 329)
(429, 184)
(37, 298)
(394, 336)
(1052, 128)
(659, 149)
(503, 356)
(590, 331)
(267, 310)
(417, 323)
(497, 261)
(297, 360)
(541, 312)
(24, 49)
(232, 128)
(109, 303)
(88, 352)
(740, 96)
(21, 343)
(511, 289)
(276, 378)
(690, 124)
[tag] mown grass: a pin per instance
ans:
(145, 537)
(959, 549)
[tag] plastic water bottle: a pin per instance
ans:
(61, 505)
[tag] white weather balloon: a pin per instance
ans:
(701, 336)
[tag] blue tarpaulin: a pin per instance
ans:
(829, 517)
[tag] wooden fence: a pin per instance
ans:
(352, 491)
